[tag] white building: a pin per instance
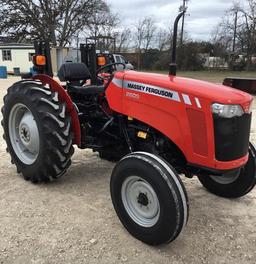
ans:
(19, 55)
(13, 55)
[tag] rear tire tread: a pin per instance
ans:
(56, 131)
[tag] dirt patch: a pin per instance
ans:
(73, 221)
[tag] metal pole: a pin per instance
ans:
(234, 39)
(182, 25)
(77, 48)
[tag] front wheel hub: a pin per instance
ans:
(140, 201)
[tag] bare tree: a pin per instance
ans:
(149, 30)
(239, 27)
(102, 23)
(222, 34)
(144, 33)
(247, 33)
(102, 28)
(54, 20)
(122, 39)
(163, 39)
(139, 34)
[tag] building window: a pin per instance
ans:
(7, 55)
(30, 56)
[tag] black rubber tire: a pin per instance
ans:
(54, 126)
(241, 186)
(172, 196)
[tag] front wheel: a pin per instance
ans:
(149, 198)
(234, 184)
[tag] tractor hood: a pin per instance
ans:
(200, 89)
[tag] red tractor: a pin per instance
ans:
(157, 126)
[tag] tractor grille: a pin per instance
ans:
(231, 137)
(198, 131)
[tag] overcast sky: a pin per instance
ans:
(203, 16)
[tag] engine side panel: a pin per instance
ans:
(182, 115)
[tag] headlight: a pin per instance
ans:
(227, 111)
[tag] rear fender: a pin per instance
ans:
(64, 97)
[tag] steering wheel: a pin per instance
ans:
(108, 66)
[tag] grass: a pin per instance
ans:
(211, 76)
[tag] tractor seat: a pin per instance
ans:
(86, 90)
(73, 72)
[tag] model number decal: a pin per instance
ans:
(154, 90)
(133, 95)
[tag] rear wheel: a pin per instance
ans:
(149, 198)
(37, 131)
(234, 184)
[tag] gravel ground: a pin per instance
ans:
(73, 221)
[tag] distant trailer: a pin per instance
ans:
(16, 57)
(244, 84)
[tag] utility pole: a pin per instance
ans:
(183, 7)
(234, 39)
(77, 47)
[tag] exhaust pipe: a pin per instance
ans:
(173, 64)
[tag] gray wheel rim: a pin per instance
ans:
(140, 201)
(23, 133)
(227, 178)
